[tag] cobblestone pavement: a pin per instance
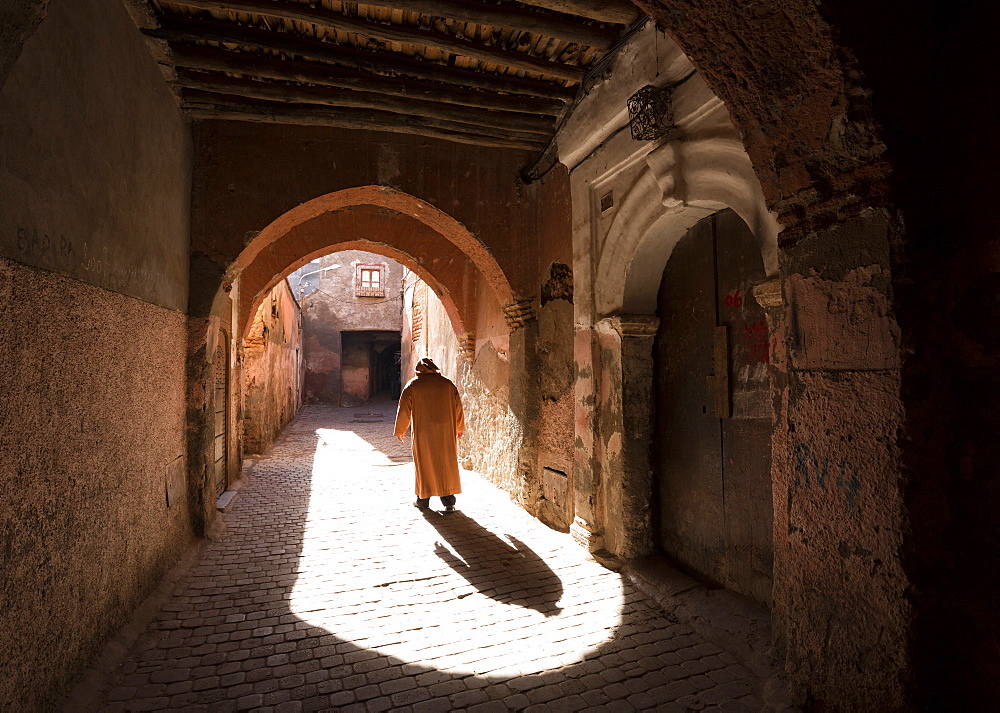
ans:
(330, 591)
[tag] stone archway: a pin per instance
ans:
(681, 184)
(656, 191)
(439, 249)
(409, 230)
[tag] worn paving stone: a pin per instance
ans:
(330, 591)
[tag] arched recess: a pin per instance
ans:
(682, 183)
(633, 202)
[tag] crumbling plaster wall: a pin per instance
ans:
(94, 234)
(494, 436)
(944, 295)
(334, 308)
(272, 369)
(837, 539)
(550, 495)
(516, 389)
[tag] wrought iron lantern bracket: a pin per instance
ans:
(650, 112)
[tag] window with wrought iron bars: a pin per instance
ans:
(369, 281)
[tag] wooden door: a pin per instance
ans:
(221, 368)
(713, 426)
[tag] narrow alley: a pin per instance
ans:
(329, 590)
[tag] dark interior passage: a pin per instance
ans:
(370, 364)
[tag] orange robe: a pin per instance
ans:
(432, 402)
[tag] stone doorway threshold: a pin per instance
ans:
(731, 621)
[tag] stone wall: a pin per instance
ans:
(272, 369)
(493, 435)
(94, 189)
(555, 373)
(945, 289)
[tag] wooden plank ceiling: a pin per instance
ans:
(486, 72)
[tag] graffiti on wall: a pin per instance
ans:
(757, 342)
(810, 472)
(755, 335)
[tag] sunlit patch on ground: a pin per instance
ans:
(330, 591)
(484, 590)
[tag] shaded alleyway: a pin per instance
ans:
(330, 591)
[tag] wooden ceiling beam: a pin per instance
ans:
(321, 17)
(187, 30)
(617, 12)
(346, 99)
(547, 23)
(219, 60)
(200, 105)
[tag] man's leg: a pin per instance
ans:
(448, 501)
(423, 503)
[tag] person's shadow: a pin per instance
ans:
(506, 572)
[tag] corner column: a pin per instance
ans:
(614, 435)
(630, 486)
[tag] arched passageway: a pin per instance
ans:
(428, 241)
(444, 254)
(120, 218)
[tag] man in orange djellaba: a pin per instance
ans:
(432, 403)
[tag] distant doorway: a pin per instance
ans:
(387, 373)
(370, 365)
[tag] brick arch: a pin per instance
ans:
(377, 219)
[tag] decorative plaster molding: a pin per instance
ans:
(768, 294)
(662, 164)
(681, 183)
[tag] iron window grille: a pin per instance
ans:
(370, 282)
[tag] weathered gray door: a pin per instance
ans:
(221, 368)
(712, 446)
